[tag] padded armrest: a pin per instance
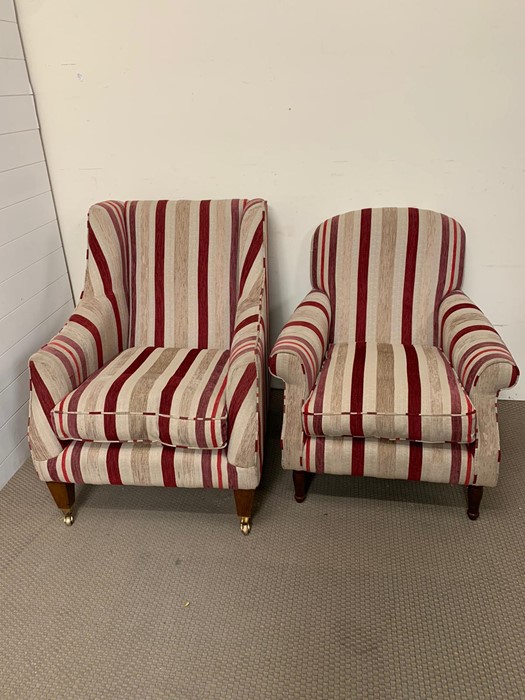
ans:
(90, 338)
(246, 381)
(472, 344)
(303, 342)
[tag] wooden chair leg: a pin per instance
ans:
(474, 496)
(244, 505)
(299, 482)
(64, 497)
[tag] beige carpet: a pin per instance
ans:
(370, 589)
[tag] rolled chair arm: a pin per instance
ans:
(90, 338)
(303, 342)
(472, 344)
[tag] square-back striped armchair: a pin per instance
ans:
(389, 369)
(159, 376)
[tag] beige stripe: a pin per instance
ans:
(386, 276)
(180, 274)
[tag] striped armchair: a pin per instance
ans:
(389, 369)
(159, 376)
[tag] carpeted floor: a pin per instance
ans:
(369, 589)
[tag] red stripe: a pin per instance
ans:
(247, 380)
(454, 252)
(332, 263)
(453, 309)
(455, 463)
(442, 275)
(112, 464)
(167, 462)
(105, 276)
(166, 397)
(323, 246)
(219, 470)
(414, 393)
(358, 457)
(415, 461)
(203, 262)
(410, 275)
(464, 331)
(317, 418)
(362, 275)
(160, 250)
(43, 394)
(132, 228)
(207, 481)
(253, 251)
(316, 304)
(234, 261)
(314, 265)
(309, 326)
(78, 351)
(76, 471)
(202, 410)
(111, 400)
(319, 455)
(90, 326)
(356, 391)
(233, 479)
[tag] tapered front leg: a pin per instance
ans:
(244, 503)
(474, 496)
(64, 497)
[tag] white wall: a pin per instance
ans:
(35, 294)
(320, 107)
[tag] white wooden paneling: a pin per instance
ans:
(7, 11)
(23, 183)
(13, 432)
(20, 322)
(10, 44)
(16, 290)
(17, 113)
(13, 78)
(14, 396)
(14, 361)
(22, 148)
(35, 293)
(13, 462)
(26, 216)
(26, 250)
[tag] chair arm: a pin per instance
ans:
(89, 339)
(297, 355)
(246, 382)
(472, 344)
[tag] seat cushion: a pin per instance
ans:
(398, 392)
(167, 395)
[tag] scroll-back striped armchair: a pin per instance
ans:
(389, 369)
(159, 376)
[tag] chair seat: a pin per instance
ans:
(167, 395)
(398, 392)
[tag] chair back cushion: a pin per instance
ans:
(178, 264)
(386, 272)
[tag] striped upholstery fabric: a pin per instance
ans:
(175, 397)
(386, 272)
(403, 381)
(184, 276)
(399, 392)
(449, 463)
(146, 464)
(472, 344)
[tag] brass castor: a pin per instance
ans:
(69, 519)
(246, 526)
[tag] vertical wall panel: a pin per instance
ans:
(35, 294)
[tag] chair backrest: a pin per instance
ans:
(179, 264)
(386, 272)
